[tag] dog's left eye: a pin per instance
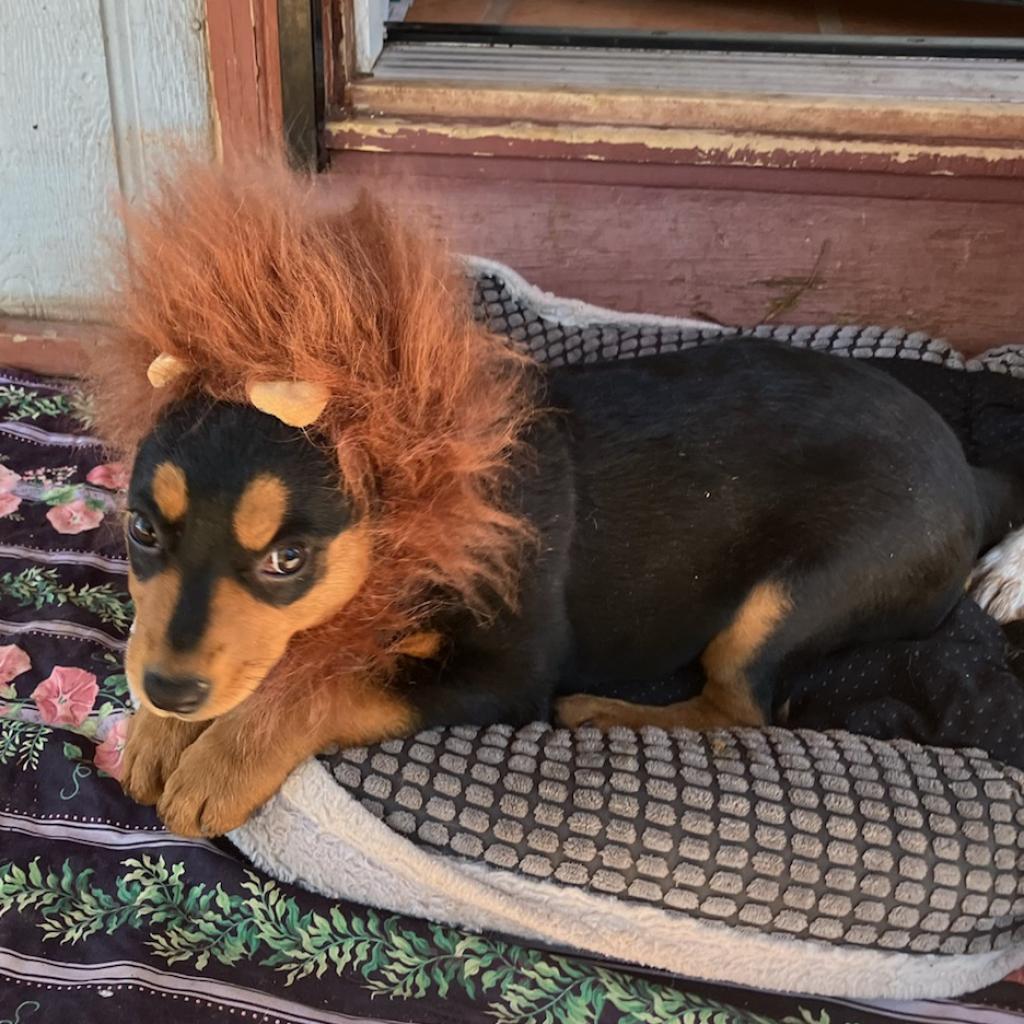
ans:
(142, 531)
(284, 561)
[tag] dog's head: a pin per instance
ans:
(248, 311)
(239, 537)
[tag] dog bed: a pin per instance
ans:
(872, 848)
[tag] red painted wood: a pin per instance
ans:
(801, 181)
(949, 265)
(47, 346)
(246, 76)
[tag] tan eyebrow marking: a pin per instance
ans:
(260, 512)
(170, 491)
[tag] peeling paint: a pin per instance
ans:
(694, 146)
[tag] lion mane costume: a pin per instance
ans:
(249, 288)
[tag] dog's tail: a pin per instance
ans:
(1001, 500)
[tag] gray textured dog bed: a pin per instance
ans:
(823, 863)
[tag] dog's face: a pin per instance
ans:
(239, 537)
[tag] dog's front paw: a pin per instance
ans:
(997, 583)
(152, 752)
(211, 792)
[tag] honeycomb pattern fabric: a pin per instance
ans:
(552, 341)
(826, 836)
(847, 840)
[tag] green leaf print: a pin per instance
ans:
(59, 495)
(196, 924)
(23, 742)
(18, 403)
(36, 587)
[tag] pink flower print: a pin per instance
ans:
(67, 696)
(8, 480)
(109, 756)
(13, 662)
(75, 517)
(9, 501)
(113, 476)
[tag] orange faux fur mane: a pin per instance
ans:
(246, 278)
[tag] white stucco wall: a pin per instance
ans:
(93, 94)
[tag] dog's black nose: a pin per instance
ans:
(181, 695)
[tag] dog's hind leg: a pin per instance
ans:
(740, 664)
(780, 624)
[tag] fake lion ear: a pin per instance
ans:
(165, 369)
(296, 403)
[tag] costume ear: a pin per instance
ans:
(164, 369)
(295, 402)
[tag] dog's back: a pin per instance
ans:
(800, 500)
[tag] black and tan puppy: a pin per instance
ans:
(744, 504)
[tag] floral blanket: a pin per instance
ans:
(103, 914)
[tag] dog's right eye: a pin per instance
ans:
(142, 531)
(286, 560)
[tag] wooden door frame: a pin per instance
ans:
(283, 75)
(267, 78)
(953, 139)
(245, 75)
